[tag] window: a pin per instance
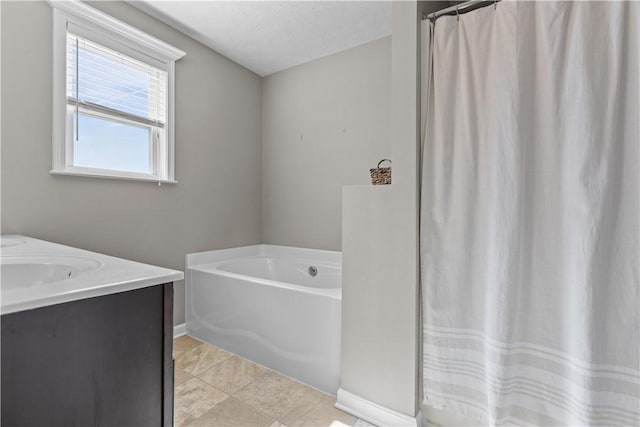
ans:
(115, 109)
(113, 97)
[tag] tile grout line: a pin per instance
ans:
(237, 391)
(277, 419)
(263, 366)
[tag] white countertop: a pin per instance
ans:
(93, 274)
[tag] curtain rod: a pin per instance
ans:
(459, 9)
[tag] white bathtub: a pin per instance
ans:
(261, 302)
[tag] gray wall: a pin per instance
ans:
(325, 123)
(216, 203)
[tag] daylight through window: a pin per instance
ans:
(116, 108)
(113, 97)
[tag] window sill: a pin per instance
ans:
(111, 176)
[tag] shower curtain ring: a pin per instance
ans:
(457, 13)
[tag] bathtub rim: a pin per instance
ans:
(206, 262)
(216, 255)
(334, 293)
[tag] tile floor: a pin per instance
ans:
(216, 388)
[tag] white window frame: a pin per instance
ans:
(130, 41)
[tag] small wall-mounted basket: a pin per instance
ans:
(381, 176)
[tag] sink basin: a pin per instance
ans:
(36, 273)
(5, 242)
(27, 271)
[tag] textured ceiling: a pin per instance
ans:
(270, 36)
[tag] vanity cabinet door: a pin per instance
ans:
(95, 362)
(168, 364)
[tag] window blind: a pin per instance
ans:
(102, 80)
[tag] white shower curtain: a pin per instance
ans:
(530, 215)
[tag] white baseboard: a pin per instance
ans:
(372, 412)
(179, 330)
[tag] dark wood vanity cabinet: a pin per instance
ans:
(103, 361)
